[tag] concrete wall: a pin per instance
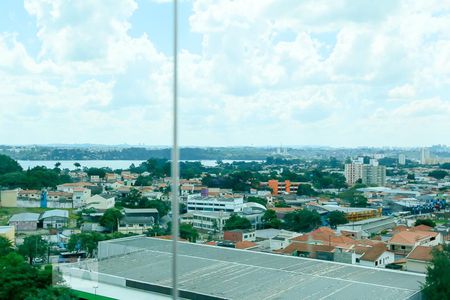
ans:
(416, 266)
(24, 226)
(37, 203)
(8, 198)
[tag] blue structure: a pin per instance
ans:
(44, 199)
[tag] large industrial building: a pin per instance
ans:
(140, 268)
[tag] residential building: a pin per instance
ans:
(30, 194)
(24, 221)
(425, 156)
(80, 195)
(239, 235)
(56, 218)
(100, 202)
(403, 242)
(225, 203)
(369, 174)
(374, 174)
(419, 259)
(138, 220)
(8, 232)
(69, 187)
(376, 256)
(353, 172)
(402, 159)
(8, 198)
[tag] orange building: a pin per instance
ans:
(282, 186)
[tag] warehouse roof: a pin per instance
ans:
(25, 217)
(241, 274)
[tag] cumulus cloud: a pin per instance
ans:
(297, 72)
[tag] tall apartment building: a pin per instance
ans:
(425, 156)
(353, 172)
(374, 175)
(370, 174)
(401, 159)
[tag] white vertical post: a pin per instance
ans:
(175, 155)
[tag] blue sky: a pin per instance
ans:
(266, 72)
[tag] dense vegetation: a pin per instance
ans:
(427, 222)
(12, 175)
(302, 220)
(21, 280)
(437, 285)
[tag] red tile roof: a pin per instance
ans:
(422, 253)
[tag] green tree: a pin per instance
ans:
(101, 172)
(411, 176)
(336, 218)
(358, 201)
(270, 219)
(188, 232)
(306, 190)
(427, 222)
(34, 247)
(85, 242)
(438, 174)
(5, 246)
(437, 284)
(302, 220)
(445, 166)
(110, 219)
(258, 200)
(77, 165)
(237, 222)
(8, 165)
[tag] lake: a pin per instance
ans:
(113, 164)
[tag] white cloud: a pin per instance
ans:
(299, 72)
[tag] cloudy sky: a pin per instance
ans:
(252, 72)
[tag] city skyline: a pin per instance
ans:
(252, 74)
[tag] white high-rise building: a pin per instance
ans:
(424, 156)
(401, 159)
(353, 172)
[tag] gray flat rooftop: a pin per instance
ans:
(240, 274)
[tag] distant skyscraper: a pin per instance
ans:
(401, 159)
(424, 156)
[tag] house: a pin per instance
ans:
(376, 256)
(100, 202)
(239, 235)
(324, 252)
(419, 259)
(8, 232)
(30, 194)
(80, 194)
(24, 221)
(403, 242)
(138, 220)
(69, 187)
(56, 218)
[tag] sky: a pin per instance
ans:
(252, 72)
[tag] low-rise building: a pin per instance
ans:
(419, 259)
(24, 221)
(239, 235)
(210, 220)
(138, 220)
(376, 256)
(56, 218)
(214, 204)
(403, 242)
(100, 202)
